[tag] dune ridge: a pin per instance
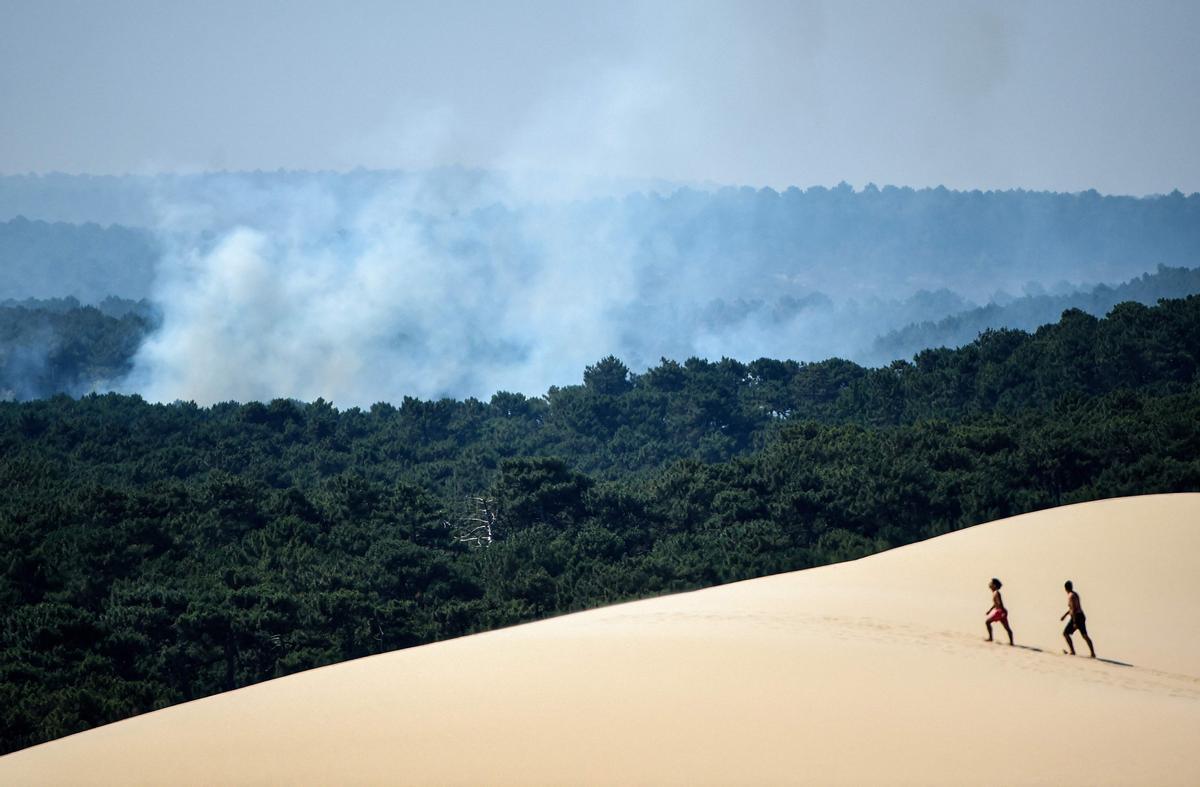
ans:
(872, 671)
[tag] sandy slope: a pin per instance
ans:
(865, 672)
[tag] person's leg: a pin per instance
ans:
(988, 623)
(1083, 633)
(1067, 635)
(1009, 630)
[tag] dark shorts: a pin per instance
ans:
(1077, 623)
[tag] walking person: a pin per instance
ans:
(1078, 620)
(997, 613)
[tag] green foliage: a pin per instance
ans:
(152, 554)
(49, 347)
(1033, 310)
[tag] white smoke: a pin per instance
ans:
(459, 283)
(449, 283)
(409, 294)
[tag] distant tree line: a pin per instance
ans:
(59, 345)
(155, 553)
(731, 242)
(90, 262)
(1033, 310)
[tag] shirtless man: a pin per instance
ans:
(1078, 620)
(997, 613)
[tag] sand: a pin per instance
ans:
(868, 672)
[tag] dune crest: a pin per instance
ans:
(872, 671)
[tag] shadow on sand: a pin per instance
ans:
(1115, 662)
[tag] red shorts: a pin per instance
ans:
(999, 616)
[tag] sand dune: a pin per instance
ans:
(866, 672)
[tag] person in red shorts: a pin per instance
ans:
(997, 613)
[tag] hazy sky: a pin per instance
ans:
(1050, 94)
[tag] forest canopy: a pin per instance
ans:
(155, 553)
(59, 345)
